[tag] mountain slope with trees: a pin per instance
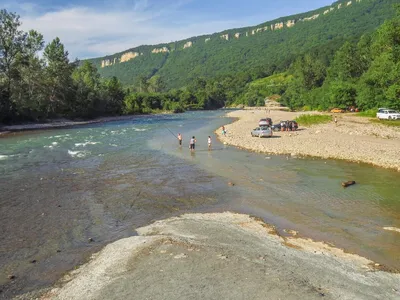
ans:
(277, 48)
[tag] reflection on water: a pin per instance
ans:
(61, 187)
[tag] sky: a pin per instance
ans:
(93, 28)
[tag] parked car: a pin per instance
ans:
(381, 109)
(264, 131)
(276, 127)
(388, 114)
(265, 122)
(337, 110)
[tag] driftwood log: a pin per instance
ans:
(348, 183)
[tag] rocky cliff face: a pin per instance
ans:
(277, 26)
(188, 45)
(160, 50)
(128, 56)
(225, 37)
(290, 23)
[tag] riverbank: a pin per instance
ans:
(64, 123)
(354, 138)
(222, 256)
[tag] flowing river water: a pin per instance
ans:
(66, 193)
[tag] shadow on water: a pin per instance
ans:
(60, 188)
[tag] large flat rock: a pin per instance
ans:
(223, 256)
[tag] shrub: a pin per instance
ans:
(307, 120)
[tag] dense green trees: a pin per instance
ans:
(363, 73)
(36, 88)
(249, 53)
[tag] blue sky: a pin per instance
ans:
(90, 28)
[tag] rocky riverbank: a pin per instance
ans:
(354, 138)
(222, 256)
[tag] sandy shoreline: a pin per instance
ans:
(222, 256)
(354, 138)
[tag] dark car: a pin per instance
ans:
(286, 125)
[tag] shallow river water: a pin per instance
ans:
(60, 188)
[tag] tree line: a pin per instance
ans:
(363, 73)
(39, 82)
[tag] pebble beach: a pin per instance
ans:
(353, 138)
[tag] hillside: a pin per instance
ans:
(274, 42)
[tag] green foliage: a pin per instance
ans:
(34, 88)
(308, 120)
(273, 85)
(365, 74)
(270, 49)
(390, 123)
(342, 94)
(370, 113)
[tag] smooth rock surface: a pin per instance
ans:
(223, 256)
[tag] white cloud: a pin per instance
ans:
(89, 31)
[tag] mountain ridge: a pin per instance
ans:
(223, 32)
(170, 61)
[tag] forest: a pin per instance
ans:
(38, 82)
(364, 73)
(37, 87)
(220, 57)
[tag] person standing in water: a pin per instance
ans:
(192, 144)
(180, 139)
(209, 142)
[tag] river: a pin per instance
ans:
(66, 193)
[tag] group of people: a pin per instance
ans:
(193, 141)
(288, 126)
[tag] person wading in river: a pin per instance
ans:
(180, 139)
(209, 142)
(192, 144)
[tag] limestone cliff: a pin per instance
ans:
(106, 63)
(160, 50)
(310, 18)
(225, 37)
(290, 23)
(128, 56)
(188, 45)
(278, 25)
